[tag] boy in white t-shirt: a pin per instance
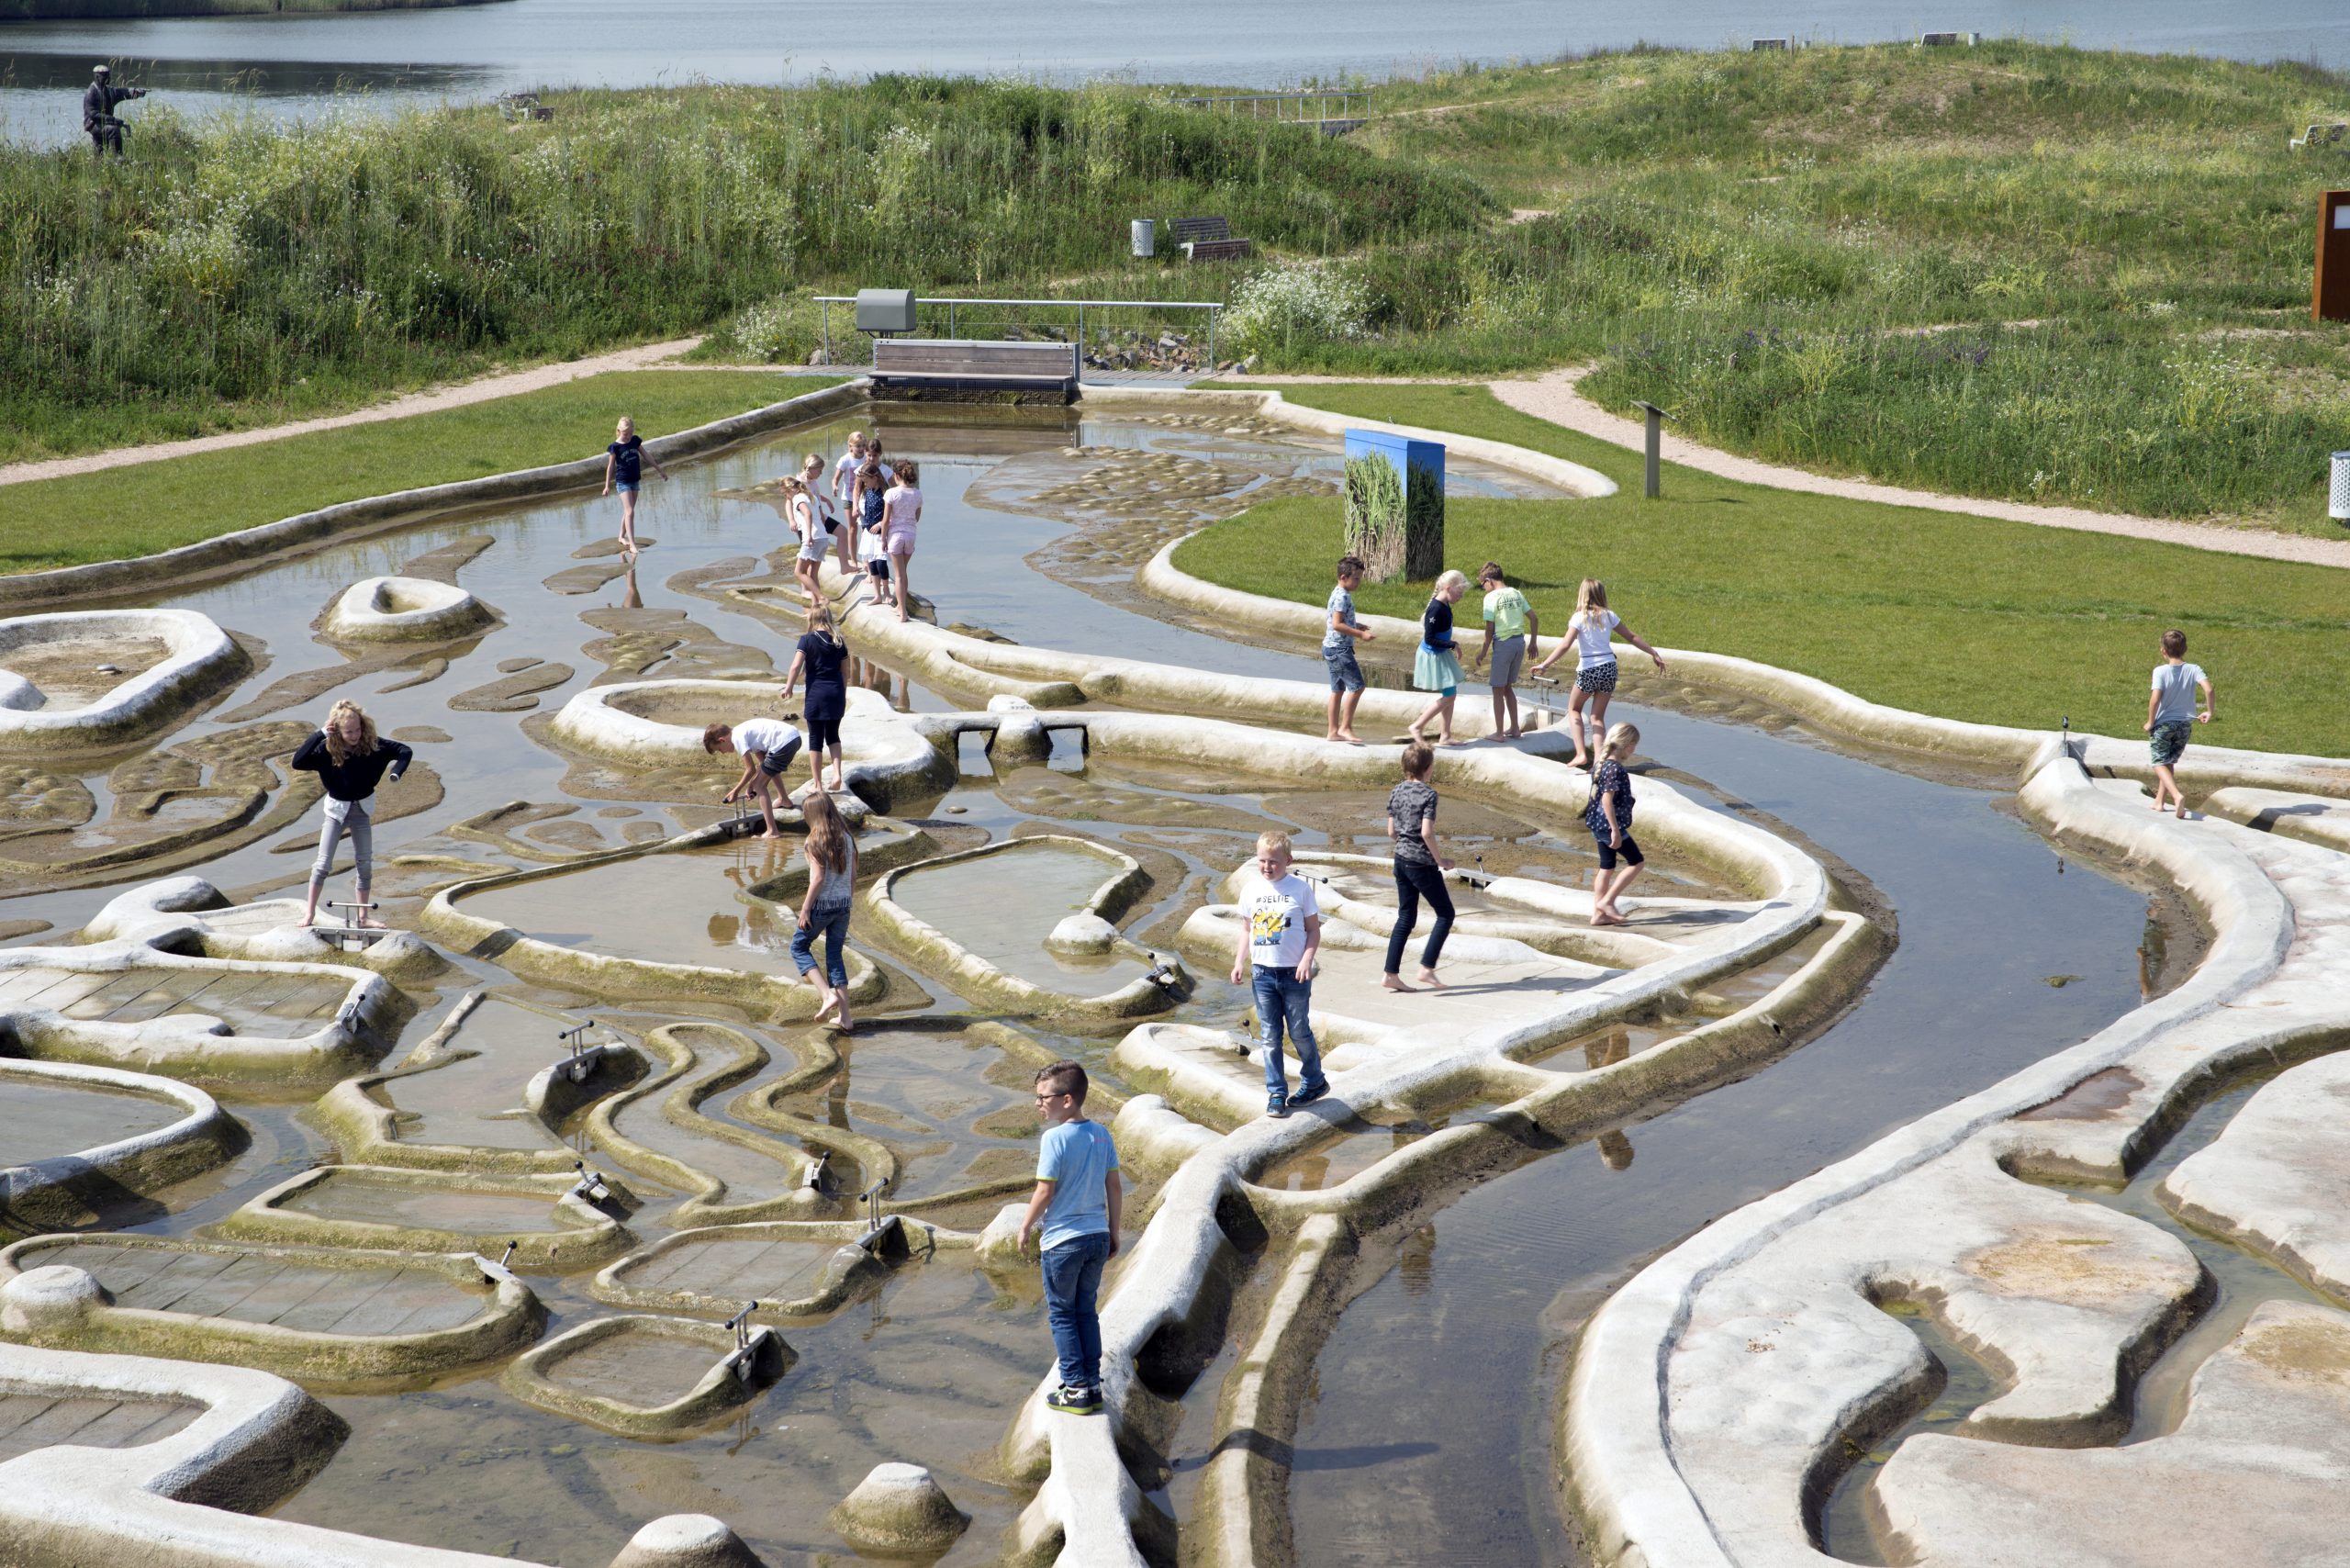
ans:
(1281, 938)
(767, 746)
(2171, 716)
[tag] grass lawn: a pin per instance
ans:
(1972, 618)
(138, 510)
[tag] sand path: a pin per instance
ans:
(432, 398)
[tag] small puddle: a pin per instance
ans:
(477, 1102)
(347, 1195)
(40, 1118)
(1002, 906)
(957, 1112)
(1359, 1143)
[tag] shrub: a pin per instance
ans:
(1296, 304)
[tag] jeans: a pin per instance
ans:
(832, 924)
(361, 829)
(1283, 1002)
(1416, 880)
(1072, 1279)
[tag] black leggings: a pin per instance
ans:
(823, 734)
(1414, 880)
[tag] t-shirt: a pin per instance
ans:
(902, 505)
(1410, 804)
(1609, 780)
(628, 460)
(2177, 683)
(1591, 637)
(1077, 1159)
(1342, 605)
(838, 889)
(1506, 613)
(1436, 625)
(763, 735)
(845, 474)
(1277, 914)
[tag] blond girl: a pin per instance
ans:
(1436, 667)
(1588, 633)
(624, 463)
(1609, 817)
(350, 759)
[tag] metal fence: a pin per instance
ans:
(1304, 109)
(1107, 327)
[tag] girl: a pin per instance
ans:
(1609, 817)
(350, 760)
(902, 513)
(832, 883)
(811, 516)
(624, 465)
(1419, 869)
(872, 482)
(1435, 668)
(821, 656)
(1595, 675)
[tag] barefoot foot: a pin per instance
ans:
(1392, 982)
(1429, 979)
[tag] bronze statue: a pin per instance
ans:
(97, 110)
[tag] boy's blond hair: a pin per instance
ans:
(1274, 838)
(1622, 740)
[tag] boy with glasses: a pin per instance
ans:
(1077, 1200)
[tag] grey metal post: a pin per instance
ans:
(1212, 361)
(950, 317)
(1656, 417)
(1081, 340)
(828, 332)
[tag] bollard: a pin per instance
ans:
(2338, 502)
(1655, 474)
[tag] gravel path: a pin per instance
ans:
(486, 389)
(1556, 398)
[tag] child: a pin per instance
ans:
(1419, 869)
(902, 513)
(1280, 934)
(624, 466)
(1609, 817)
(820, 658)
(872, 482)
(832, 884)
(1344, 630)
(800, 504)
(1434, 668)
(767, 746)
(1077, 1199)
(350, 760)
(844, 471)
(1588, 632)
(2171, 716)
(1512, 635)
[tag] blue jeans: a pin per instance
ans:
(1283, 1002)
(1072, 1279)
(832, 924)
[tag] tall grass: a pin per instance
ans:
(235, 261)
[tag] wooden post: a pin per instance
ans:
(1655, 474)
(2330, 291)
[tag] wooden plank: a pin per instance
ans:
(54, 990)
(444, 1306)
(120, 1268)
(185, 1272)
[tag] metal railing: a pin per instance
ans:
(1284, 107)
(995, 315)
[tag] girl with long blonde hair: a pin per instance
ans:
(1588, 633)
(624, 465)
(1436, 667)
(825, 910)
(350, 759)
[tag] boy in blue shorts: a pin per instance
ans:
(1342, 630)
(1077, 1201)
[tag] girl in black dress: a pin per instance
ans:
(818, 659)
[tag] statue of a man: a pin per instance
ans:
(97, 110)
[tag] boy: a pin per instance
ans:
(1280, 935)
(2171, 715)
(1342, 631)
(767, 746)
(1077, 1199)
(1513, 634)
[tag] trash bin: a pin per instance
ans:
(2338, 504)
(1145, 237)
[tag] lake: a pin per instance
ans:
(305, 64)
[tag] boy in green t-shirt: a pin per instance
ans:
(1513, 634)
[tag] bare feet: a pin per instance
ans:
(847, 1026)
(832, 1005)
(836, 786)
(1428, 978)
(1449, 742)
(1349, 737)
(369, 923)
(1601, 917)
(309, 920)
(1417, 738)
(1392, 982)
(771, 833)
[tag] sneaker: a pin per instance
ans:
(1075, 1401)
(1277, 1109)
(1310, 1092)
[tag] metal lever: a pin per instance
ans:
(579, 1062)
(591, 1185)
(816, 1170)
(871, 1199)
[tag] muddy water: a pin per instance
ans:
(1439, 1451)
(40, 1120)
(671, 909)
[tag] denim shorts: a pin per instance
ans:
(1346, 674)
(627, 486)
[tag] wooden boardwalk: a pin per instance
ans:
(245, 999)
(256, 1287)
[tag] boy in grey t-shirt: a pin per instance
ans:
(2171, 716)
(1342, 629)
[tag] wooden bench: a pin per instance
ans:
(1186, 229)
(970, 364)
(1217, 250)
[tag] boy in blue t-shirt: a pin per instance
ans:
(1077, 1199)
